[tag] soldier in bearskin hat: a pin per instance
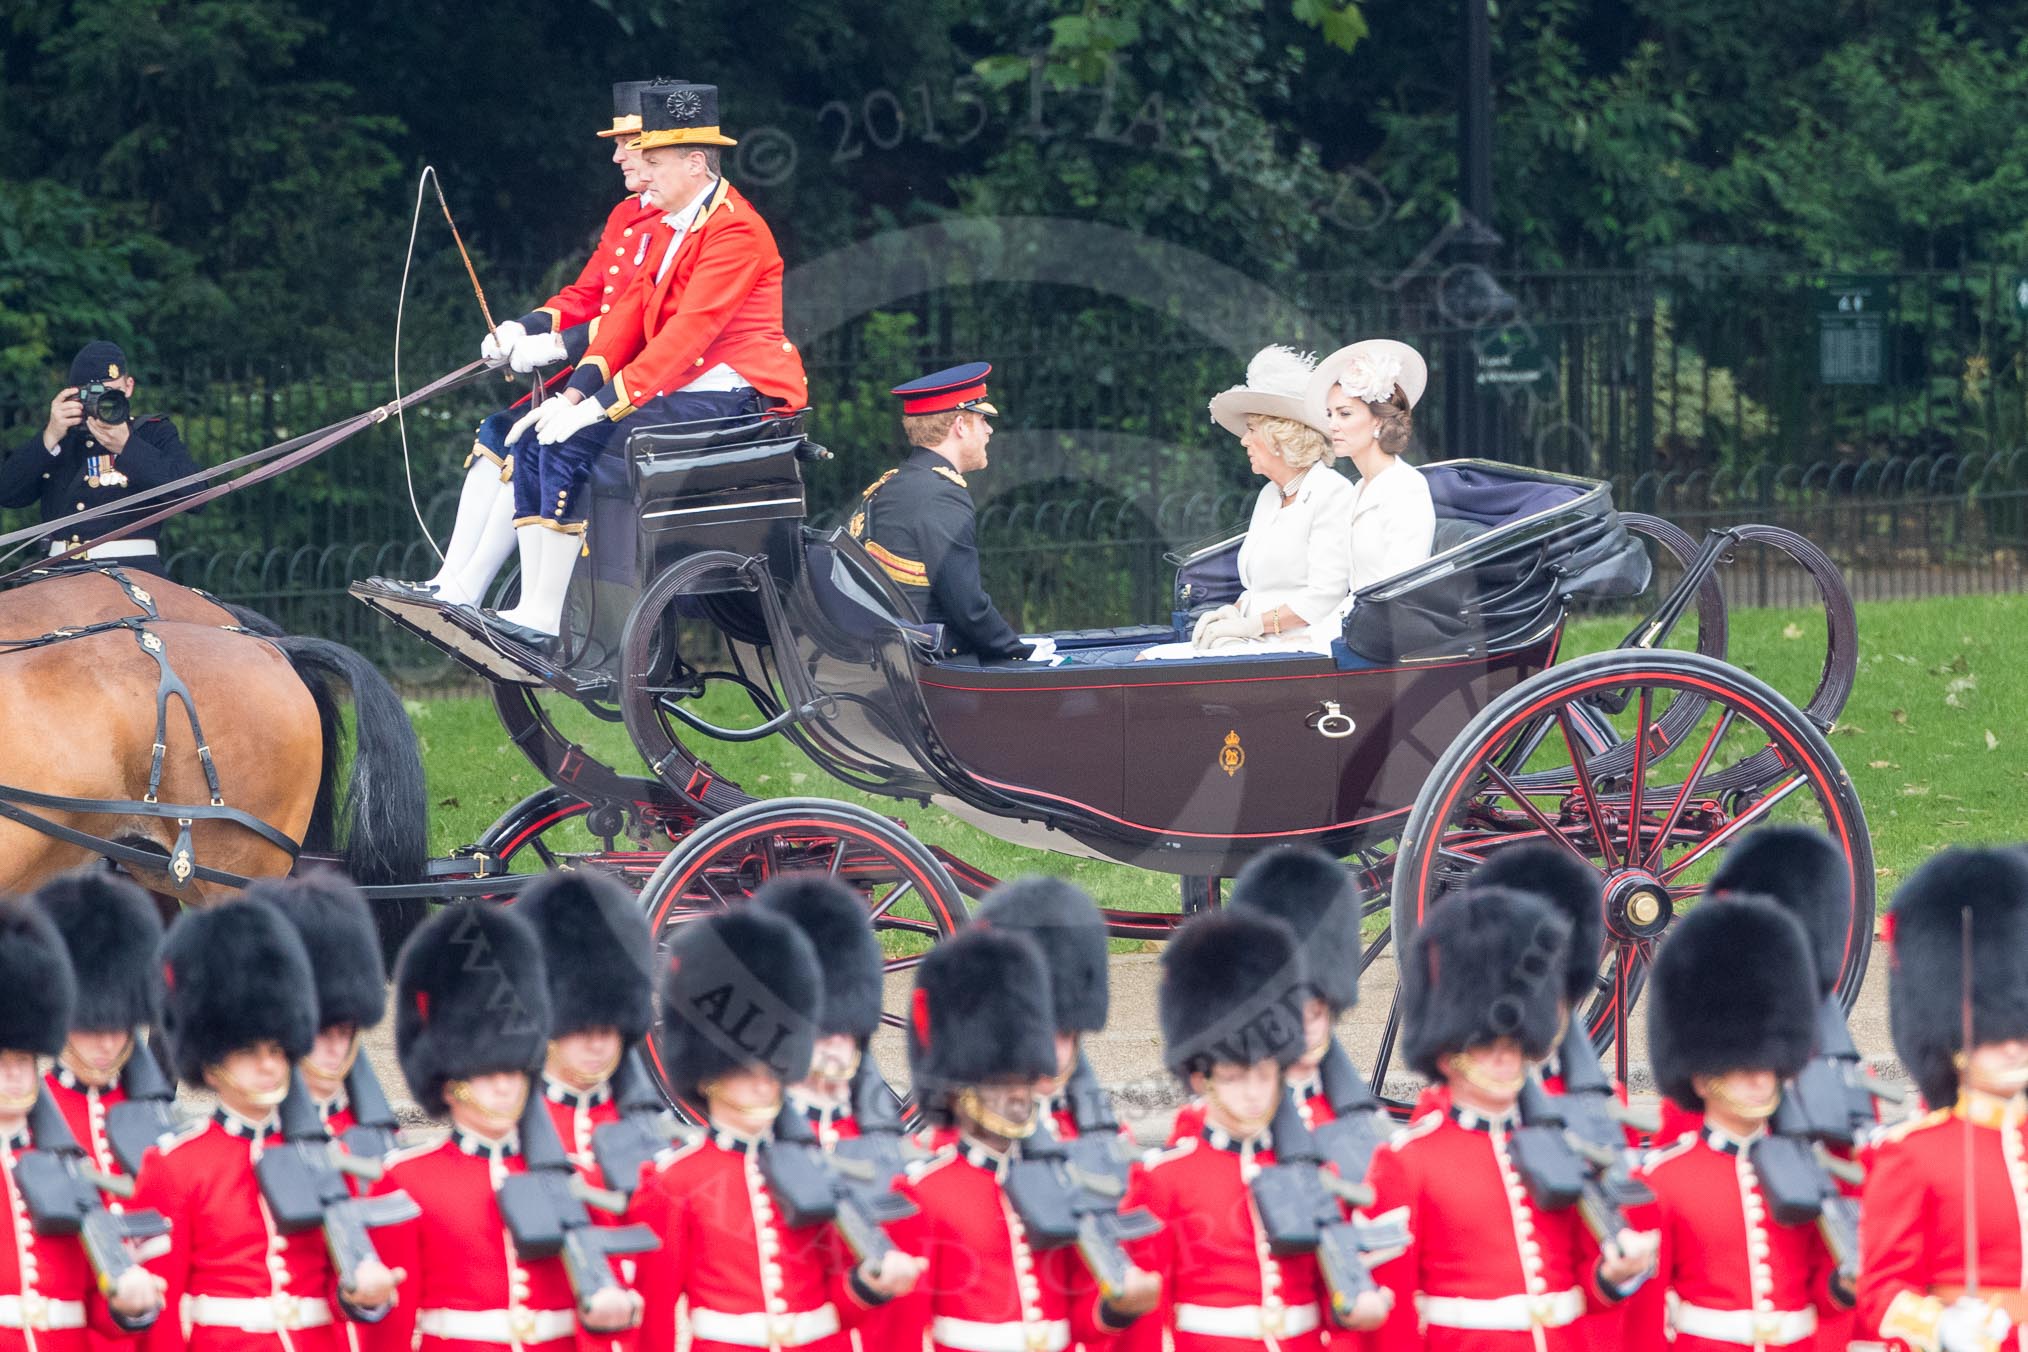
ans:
(833, 918)
(111, 931)
(331, 918)
(1230, 1004)
(1482, 986)
(1916, 1271)
(471, 1027)
(240, 1011)
(981, 1051)
(1731, 1016)
(50, 1299)
(1066, 926)
(596, 953)
(741, 998)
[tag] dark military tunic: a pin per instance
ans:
(155, 455)
(919, 525)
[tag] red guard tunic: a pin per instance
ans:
(49, 1299)
(1727, 1277)
(240, 1284)
(985, 1288)
(1912, 1218)
(577, 1115)
(829, 1122)
(337, 1114)
(1310, 1102)
(467, 1290)
(1222, 1290)
(84, 1109)
(749, 1278)
(622, 250)
(1487, 1269)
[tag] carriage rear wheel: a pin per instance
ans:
(1597, 756)
(910, 897)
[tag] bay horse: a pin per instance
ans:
(79, 718)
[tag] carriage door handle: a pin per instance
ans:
(1331, 721)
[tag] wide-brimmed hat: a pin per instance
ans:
(627, 95)
(681, 115)
(1276, 381)
(1370, 368)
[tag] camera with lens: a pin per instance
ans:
(103, 402)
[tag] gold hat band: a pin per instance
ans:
(684, 136)
(630, 125)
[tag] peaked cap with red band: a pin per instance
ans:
(957, 388)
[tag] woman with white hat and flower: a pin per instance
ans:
(1295, 562)
(1363, 396)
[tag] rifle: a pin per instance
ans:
(63, 1195)
(1061, 1202)
(146, 1114)
(1833, 1090)
(1299, 1200)
(1571, 1150)
(854, 1195)
(307, 1183)
(544, 1209)
(1359, 1125)
(646, 1126)
(1799, 1177)
(881, 1144)
(375, 1132)
(1098, 1150)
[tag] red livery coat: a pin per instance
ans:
(1720, 1251)
(719, 302)
(620, 254)
(49, 1268)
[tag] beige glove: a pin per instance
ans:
(1226, 630)
(1204, 620)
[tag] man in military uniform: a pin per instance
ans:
(330, 916)
(82, 460)
(834, 918)
(696, 336)
(918, 521)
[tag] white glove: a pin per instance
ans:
(536, 349)
(1043, 648)
(1225, 630)
(567, 419)
(1972, 1326)
(495, 346)
(1207, 617)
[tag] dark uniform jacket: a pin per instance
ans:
(155, 455)
(919, 525)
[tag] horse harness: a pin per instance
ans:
(15, 803)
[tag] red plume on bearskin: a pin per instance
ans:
(981, 1012)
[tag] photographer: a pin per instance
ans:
(92, 452)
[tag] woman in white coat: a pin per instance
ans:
(1363, 396)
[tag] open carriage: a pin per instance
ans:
(1438, 729)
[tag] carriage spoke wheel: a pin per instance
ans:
(1600, 757)
(909, 896)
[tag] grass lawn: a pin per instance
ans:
(1929, 737)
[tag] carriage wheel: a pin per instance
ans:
(554, 828)
(1652, 818)
(909, 895)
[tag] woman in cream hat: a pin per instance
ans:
(1363, 396)
(1296, 558)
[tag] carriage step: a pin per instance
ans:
(458, 632)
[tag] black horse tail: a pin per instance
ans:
(322, 835)
(384, 815)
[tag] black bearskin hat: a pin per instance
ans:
(1732, 989)
(35, 976)
(337, 931)
(1231, 992)
(1315, 895)
(1926, 993)
(1572, 888)
(236, 974)
(833, 917)
(114, 935)
(742, 991)
(596, 950)
(1067, 927)
(1487, 963)
(1806, 874)
(469, 999)
(980, 1011)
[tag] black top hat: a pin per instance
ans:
(1732, 989)
(681, 115)
(833, 918)
(113, 934)
(627, 96)
(469, 999)
(1487, 963)
(337, 931)
(1808, 875)
(596, 952)
(1925, 936)
(36, 985)
(236, 975)
(1572, 888)
(1231, 992)
(1315, 895)
(742, 992)
(1071, 934)
(980, 1012)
